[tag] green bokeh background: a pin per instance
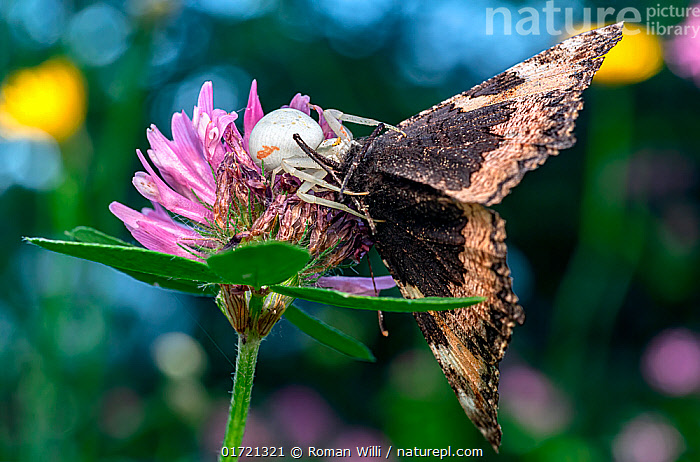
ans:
(603, 247)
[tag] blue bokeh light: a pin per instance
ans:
(32, 29)
(99, 34)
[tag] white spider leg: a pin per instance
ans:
(306, 186)
(334, 118)
(274, 175)
(338, 117)
(316, 178)
(313, 178)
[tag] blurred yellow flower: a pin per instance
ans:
(49, 97)
(636, 58)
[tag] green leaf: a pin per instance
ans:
(134, 259)
(90, 235)
(344, 300)
(328, 335)
(260, 264)
(93, 236)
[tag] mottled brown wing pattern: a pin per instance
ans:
(476, 146)
(469, 343)
(435, 246)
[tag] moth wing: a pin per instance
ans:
(435, 246)
(476, 146)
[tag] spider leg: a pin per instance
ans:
(293, 166)
(275, 172)
(334, 118)
(302, 194)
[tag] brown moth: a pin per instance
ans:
(428, 192)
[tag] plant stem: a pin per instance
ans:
(248, 346)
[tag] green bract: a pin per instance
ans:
(260, 264)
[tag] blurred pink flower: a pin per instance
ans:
(671, 362)
(214, 427)
(683, 51)
(360, 437)
(122, 412)
(356, 285)
(304, 417)
(257, 433)
(534, 401)
(299, 416)
(648, 438)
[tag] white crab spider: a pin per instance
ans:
(271, 143)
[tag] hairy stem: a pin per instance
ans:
(248, 346)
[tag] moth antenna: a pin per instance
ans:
(359, 158)
(326, 164)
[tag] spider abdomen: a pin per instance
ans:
(272, 140)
